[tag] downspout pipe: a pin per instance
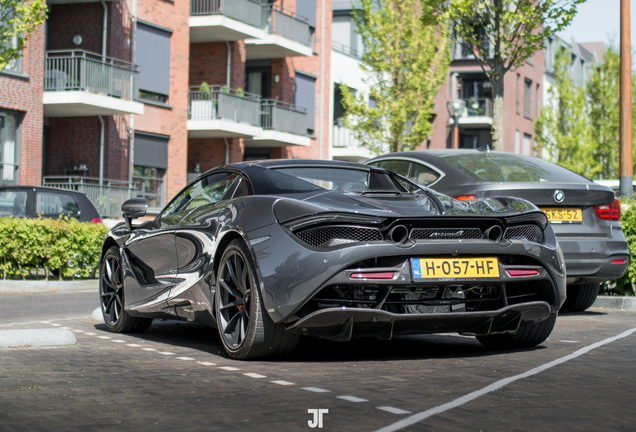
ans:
(104, 31)
(101, 151)
(229, 64)
(131, 140)
(322, 80)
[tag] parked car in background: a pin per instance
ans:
(270, 251)
(37, 201)
(585, 216)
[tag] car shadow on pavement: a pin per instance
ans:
(583, 313)
(419, 347)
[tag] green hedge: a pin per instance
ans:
(38, 248)
(625, 285)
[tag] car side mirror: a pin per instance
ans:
(132, 209)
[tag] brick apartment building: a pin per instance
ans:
(127, 97)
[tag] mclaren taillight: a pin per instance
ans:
(523, 272)
(465, 197)
(98, 221)
(619, 261)
(373, 275)
(610, 212)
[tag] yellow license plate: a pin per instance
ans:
(563, 214)
(456, 268)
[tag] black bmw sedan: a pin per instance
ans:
(585, 216)
(270, 251)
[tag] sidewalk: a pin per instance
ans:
(28, 287)
(612, 302)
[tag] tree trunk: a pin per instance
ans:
(498, 111)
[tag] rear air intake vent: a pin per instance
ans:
(446, 234)
(338, 235)
(530, 233)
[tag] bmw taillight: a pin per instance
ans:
(97, 221)
(465, 197)
(610, 212)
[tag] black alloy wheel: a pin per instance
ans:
(246, 330)
(111, 294)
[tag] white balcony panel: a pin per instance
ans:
(352, 154)
(478, 122)
(220, 128)
(218, 28)
(273, 138)
(84, 104)
(274, 46)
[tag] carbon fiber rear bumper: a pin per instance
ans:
(341, 324)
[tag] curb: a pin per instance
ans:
(36, 338)
(612, 302)
(18, 286)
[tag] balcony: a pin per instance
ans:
(345, 146)
(283, 125)
(83, 84)
(284, 35)
(219, 112)
(107, 198)
(462, 52)
(478, 113)
(221, 20)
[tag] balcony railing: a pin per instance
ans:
(284, 117)
(247, 11)
(86, 71)
(344, 137)
(478, 107)
(347, 50)
(107, 198)
(218, 102)
(463, 52)
(282, 22)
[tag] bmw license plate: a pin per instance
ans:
(455, 268)
(561, 215)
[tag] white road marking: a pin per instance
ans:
(416, 418)
(90, 334)
(185, 358)
(118, 341)
(78, 331)
(56, 325)
(254, 375)
(393, 410)
(569, 341)
(149, 349)
(103, 337)
(352, 399)
(165, 353)
(65, 328)
(207, 363)
(315, 389)
(133, 345)
(283, 383)
(228, 368)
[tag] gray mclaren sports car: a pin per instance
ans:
(270, 251)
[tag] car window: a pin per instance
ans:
(331, 178)
(495, 167)
(422, 174)
(208, 190)
(13, 203)
(397, 166)
(53, 203)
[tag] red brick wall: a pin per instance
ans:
(171, 121)
(73, 141)
(210, 152)
(25, 95)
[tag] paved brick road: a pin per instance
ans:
(176, 377)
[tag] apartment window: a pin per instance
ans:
(307, 9)
(150, 164)
(344, 37)
(305, 97)
(16, 64)
(527, 109)
(9, 148)
(518, 104)
(153, 58)
(517, 142)
(526, 144)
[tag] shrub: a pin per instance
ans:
(35, 248)
(624, 286)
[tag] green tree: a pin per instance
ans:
(503, 34)
(406, 61)
(18, 20)
(562, 129)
